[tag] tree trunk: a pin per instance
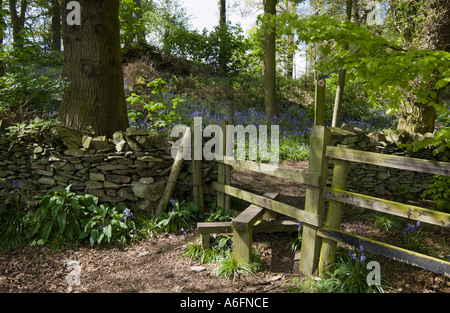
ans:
(417, 118)
(223, 42)
(341, 81)
(2, 24)
(138, 16)
(56, 26)
(92, 65)
(17, 21)
(270, 91)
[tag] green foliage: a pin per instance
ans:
(439, 191)
(230, 270)
(130, 26)
(160, 114)
(385, 221)
(64, 217)
(58, 217)
(110, 223)
(221, 247)
(350, 274)
(182, 216)
(228, 43)
(386, 69)
(32, 81)
(32, 127)
(218, 214)
(439, 142)
(147, 227)
(295, 244)
(413, 239)
(13, 217)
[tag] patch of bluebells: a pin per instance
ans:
(295, 123)
(128, 214)
(361, 257)
(411, 228)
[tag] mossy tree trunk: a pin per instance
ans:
(92, 65)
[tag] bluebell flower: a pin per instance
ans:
(128, 213)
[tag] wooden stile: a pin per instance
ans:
(308, 218)
(243, 231)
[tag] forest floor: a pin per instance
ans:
(157, 265)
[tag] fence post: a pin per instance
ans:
(197, 171)
(223, 171)
(319, 116)
(314, 202)
(334, 217)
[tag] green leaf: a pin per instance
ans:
(45, 231)
(61, 219)
(108, 232)
(94, 237)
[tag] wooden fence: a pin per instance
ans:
(321, 234)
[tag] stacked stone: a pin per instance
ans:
(133, 167)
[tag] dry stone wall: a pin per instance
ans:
(132, 168)
(378, 180)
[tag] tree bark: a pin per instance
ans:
(92, 65)
(341, 80)
(2, 23)
(138, 16)
(223, 31)
(270, 91)
(417, 117)
(56, 26)
(18, 21)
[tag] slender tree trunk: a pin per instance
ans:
(341, 80)
(18, 21)
(223, 42)
(56, 26)
(138, 16)
(92, 65)
(2, 23)
(291, 7)
(270, 88)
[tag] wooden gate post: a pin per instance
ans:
(334, 217)
(197, 170)
(314, 202)
(224, 171)
(319, 116)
